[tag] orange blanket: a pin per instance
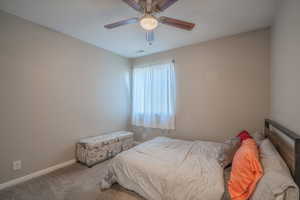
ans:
(246, 171)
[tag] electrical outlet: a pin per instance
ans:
(17, 165)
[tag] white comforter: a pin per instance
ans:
(169, 169)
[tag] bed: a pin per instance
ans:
(158, 168)
(170, 169)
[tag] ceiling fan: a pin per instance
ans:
(149, 21)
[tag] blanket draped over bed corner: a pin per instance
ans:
(169, 169)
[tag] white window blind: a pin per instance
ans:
(154, 96)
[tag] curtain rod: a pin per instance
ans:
(145, 64)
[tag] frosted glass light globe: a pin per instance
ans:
(148, 22)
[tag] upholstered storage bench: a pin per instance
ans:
(93, 150)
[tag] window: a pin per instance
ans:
(154, 97)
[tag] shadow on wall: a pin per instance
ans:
(127, 81)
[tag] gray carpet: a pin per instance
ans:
(75, 182)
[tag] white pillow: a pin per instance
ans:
(277, 181)
(258, 136)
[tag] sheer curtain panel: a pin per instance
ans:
(154, 96)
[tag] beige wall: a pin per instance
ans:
(223, 86)
(285, 70)
(54, 89)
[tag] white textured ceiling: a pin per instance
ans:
(84, 19)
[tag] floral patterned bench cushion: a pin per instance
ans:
(93, 150)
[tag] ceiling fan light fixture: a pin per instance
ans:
(148, 22)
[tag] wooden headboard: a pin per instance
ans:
(287, 144)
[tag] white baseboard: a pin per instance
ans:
(35, 174)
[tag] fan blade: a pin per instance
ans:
(134, 4)
(150, 36)
(133, 20)
(176, 23)
(164, 4)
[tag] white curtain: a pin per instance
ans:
(154, 97)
